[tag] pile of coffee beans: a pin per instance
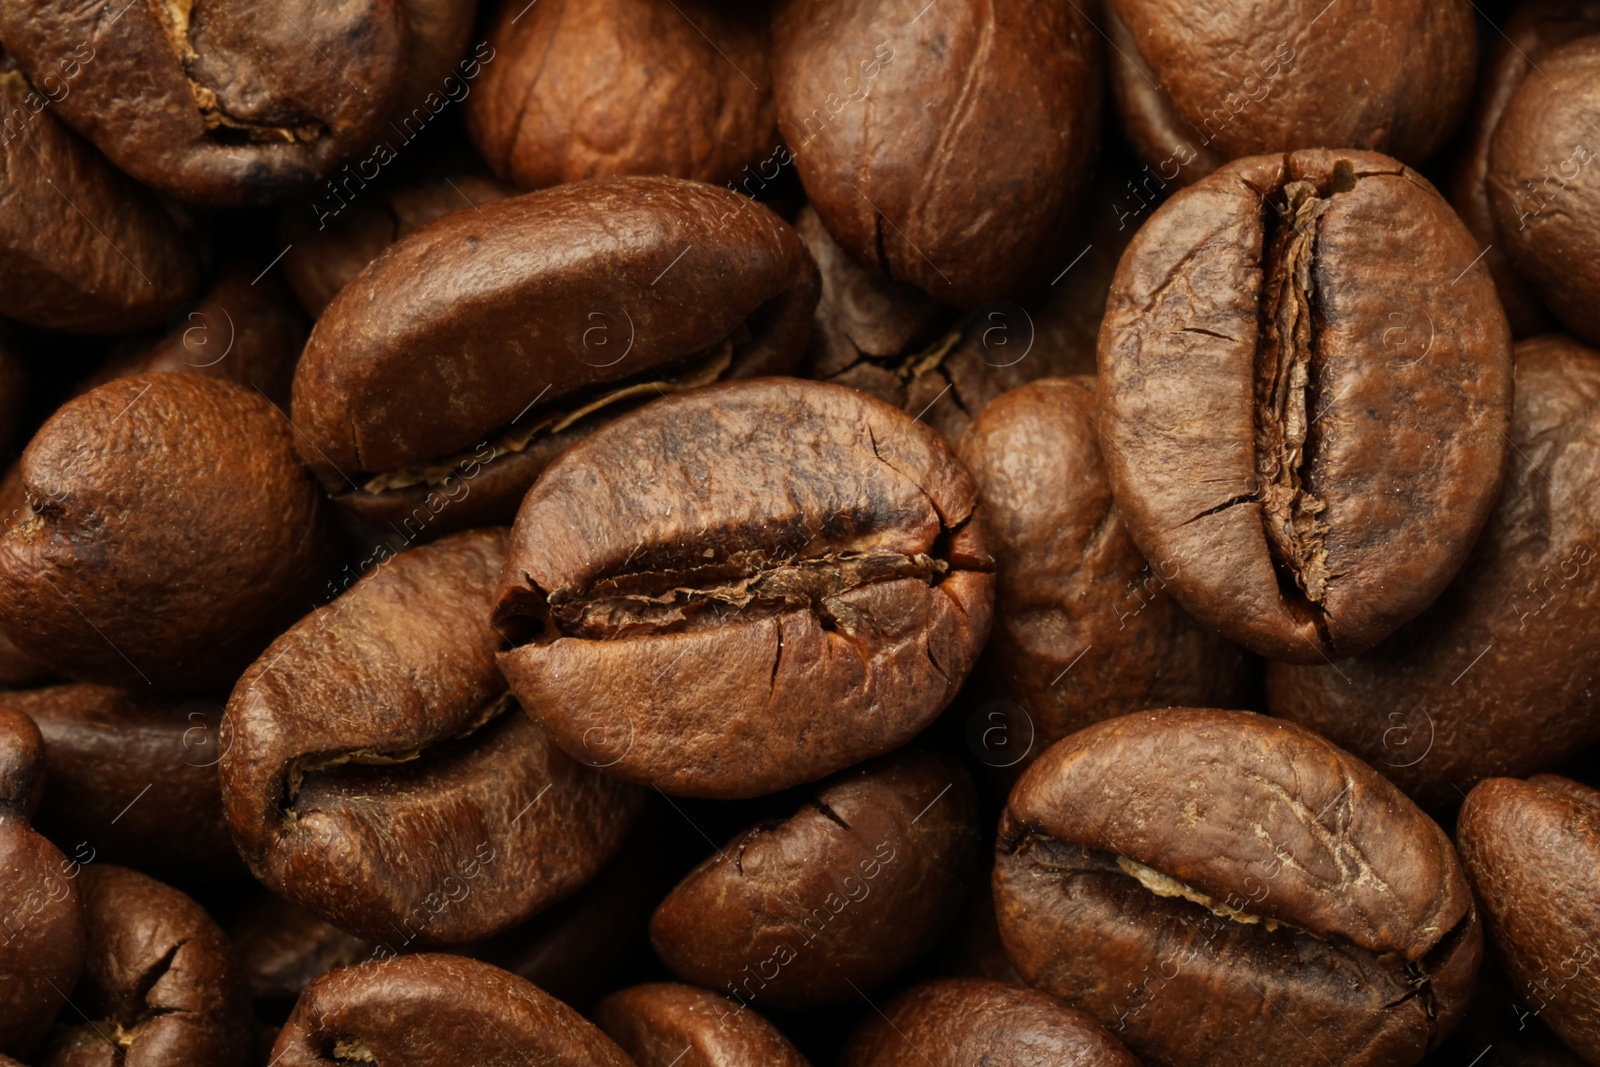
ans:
(795, 533)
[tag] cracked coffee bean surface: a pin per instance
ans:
(1305, 393)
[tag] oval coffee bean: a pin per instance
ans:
(159, 983)
(173, 532)
(1084, 628)
(1498, 677)
(946, 149)
(1219, 888)
(746, 587)
(1531, 849)
(226, 102)
(957, 1022)
(540, 317)
(834, 900)
(436, 1011)
(376, 771)
(670, 1025)
(1305, 388)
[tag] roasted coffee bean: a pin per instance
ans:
(1499, 676)
(82, 248)
(1197, 87)
(1305, 391)
(957, 1022)
(222, 103)
(437, 1011)
(1541, 180)
(1531, 849)
(834, 900)
(138, 780)
(539, 317)
(282, 948)
(1217, 887)
(159, 982)
(41, 915)
(669, 1025)
(375, 770)
(1500, 1030)
(1084, 629)
(172, 533)
(333, 242)
(745, 587)
(948, 150)
(585, 89)
(436, 72)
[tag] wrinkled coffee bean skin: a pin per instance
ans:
(670, 1025)
(1084, 629)
(1498, 677)
(159, 983)
(173, 532)
(1174, 872)
(376, 773)
(527, 313)
(1198, 87)
(1542, 188)
(82, 248)
(436, 1011)
(226, 102)
(586, 89)
(1311, 477)
(964, 1021)
(946, 150)
(745, 587)
(836, 899)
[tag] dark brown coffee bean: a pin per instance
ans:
(948, 149)
(1084, 628)
(957, 1022)
(173, 533)
(333, 240)
(222, 103)
(137, 781)
(1217, 887)
(159, 983)
(1305, 390)
(669, 1025)
(541, 317)
(834, 900)
(590, 89)
(1531, 849)
(1541, 180)
(282, 948)
(1499, 676)
(437, 1011)
(375, 770)
(82, 248)
(746, 587)
(1199, 88)
(439, 33)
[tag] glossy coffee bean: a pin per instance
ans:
(1198, 87)
(670, 1025)
(1084, 628)
(1217, 887)
(745, 587)
(956, 1022)
(375, 770)
(1305, 389)
(1530, 849)
(159, 984)
(584, 89)
(834, 900)
(173, 532)
(1498, 677)
(946, 149)
(540, 317)
(437, 1011)
(223, 103)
